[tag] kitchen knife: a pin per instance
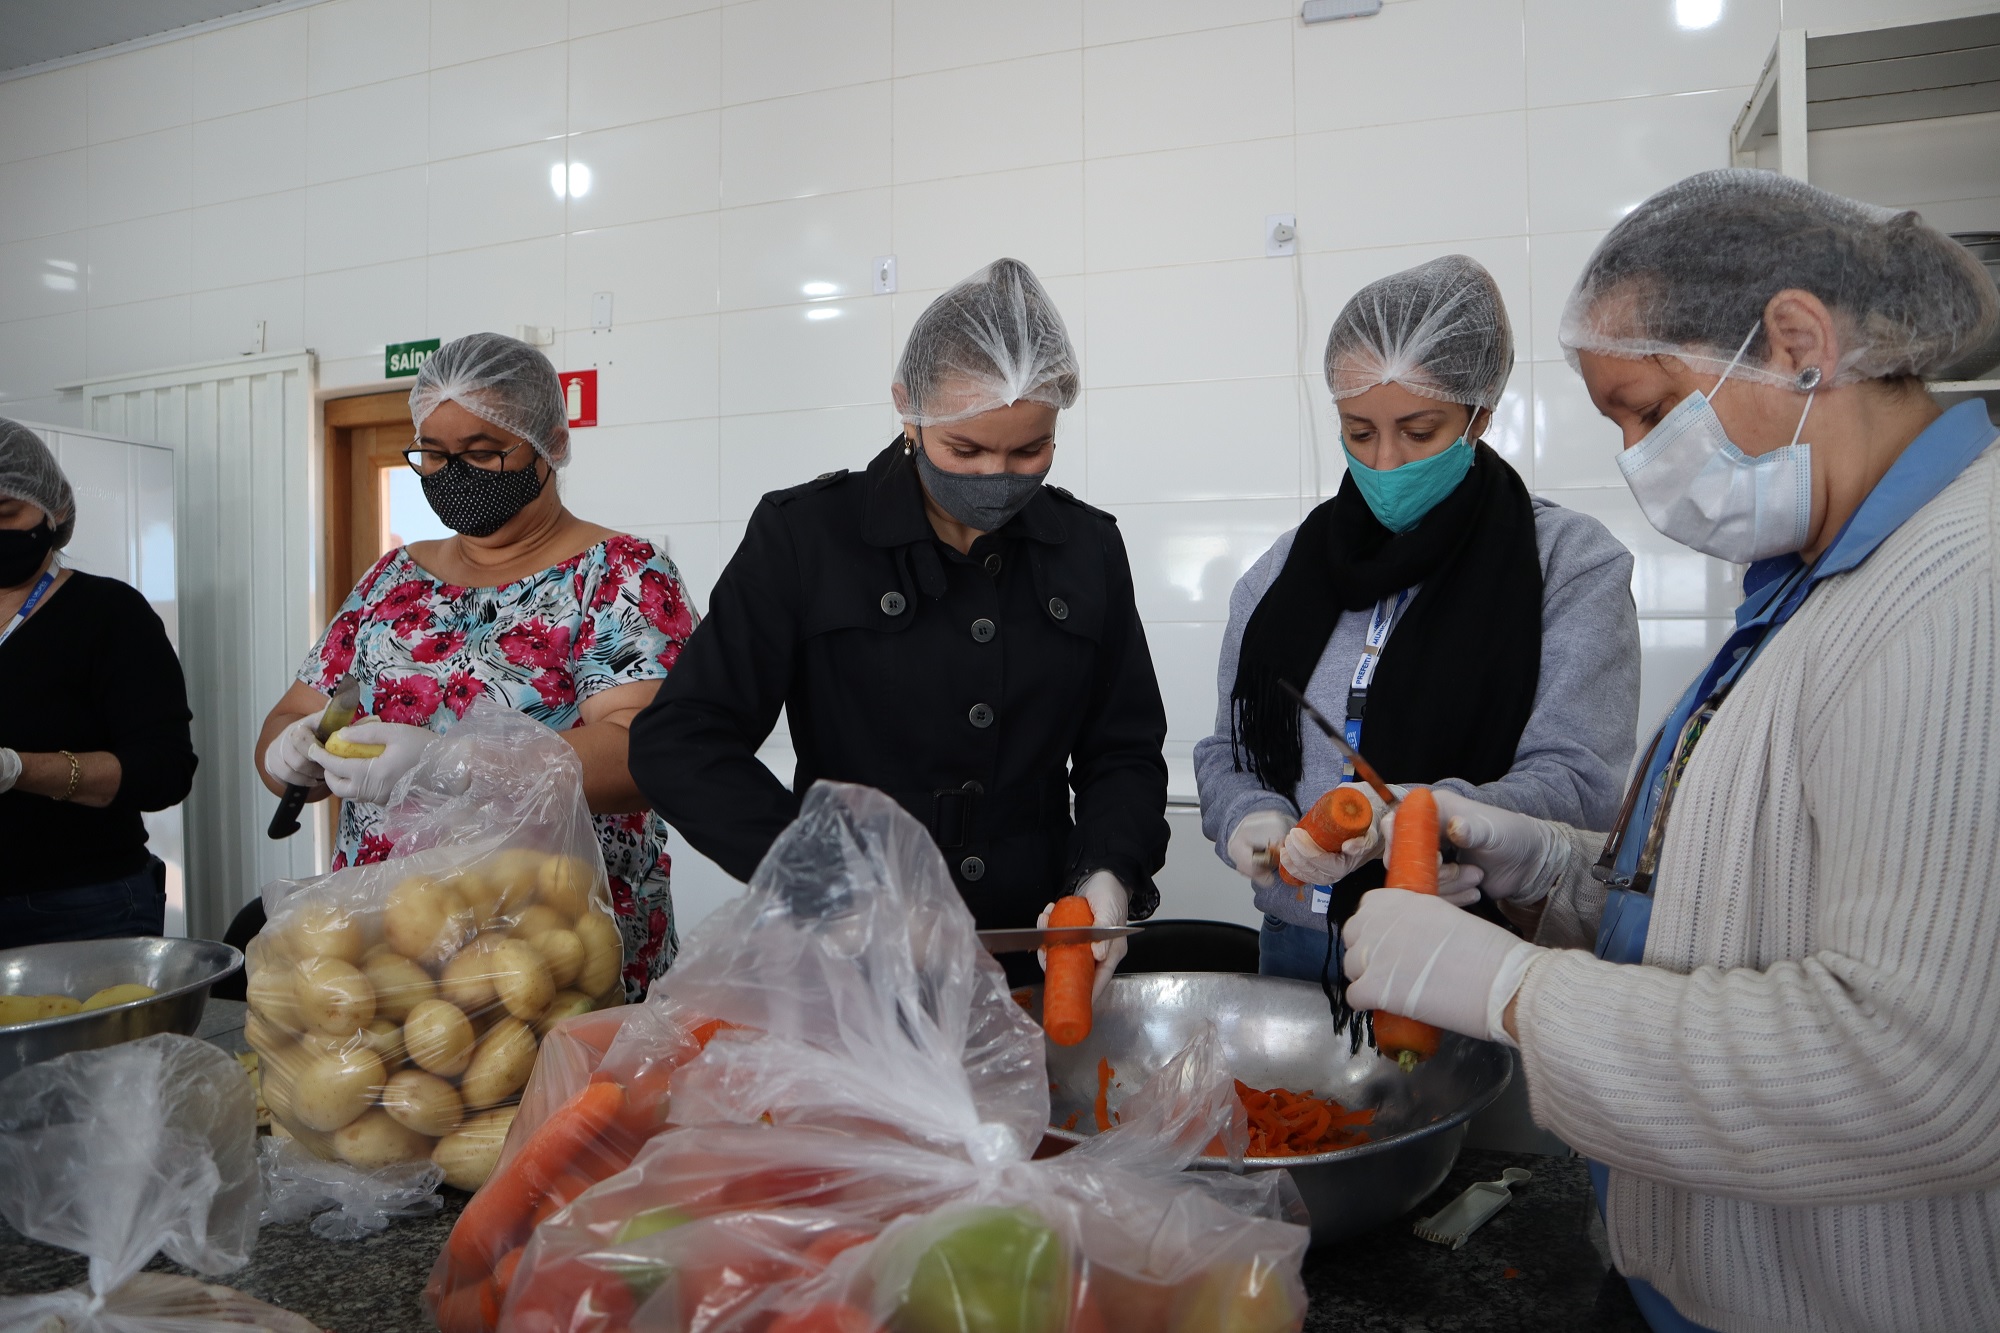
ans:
(1362, 768)
(339, 712)
(1026, 941)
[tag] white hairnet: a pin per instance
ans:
(29, 471)
(1439, 329)
(502, 381)
(1688, 273)
(993, 340)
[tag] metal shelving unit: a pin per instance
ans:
(1875, 76)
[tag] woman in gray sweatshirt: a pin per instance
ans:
(1467, 634)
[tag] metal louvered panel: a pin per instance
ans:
(242, 433)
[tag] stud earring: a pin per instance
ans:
(1808, 379)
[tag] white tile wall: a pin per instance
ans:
(367, 171)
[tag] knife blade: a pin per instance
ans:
(340, 710)
(1032, 938)
(1362, 768)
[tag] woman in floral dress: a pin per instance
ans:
(569, 622)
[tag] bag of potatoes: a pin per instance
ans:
(397, 1008)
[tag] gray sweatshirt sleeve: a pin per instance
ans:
(1227, 794)
(1579, 740)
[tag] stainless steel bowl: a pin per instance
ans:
(180, 970)
(1277, 1033)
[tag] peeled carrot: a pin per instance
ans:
(1071, 969)
(497, 1218)
(1336, 817)
(1100, 1106)
(1413, 865)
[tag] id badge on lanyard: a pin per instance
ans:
(1380, 622)
(42, 586)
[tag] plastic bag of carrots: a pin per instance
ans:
(850, 1150)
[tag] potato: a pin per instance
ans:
(439, 1037)
(423, 1102)
(566, 882)
(271, 992)
(19, 1009)
(500, 1065)
(562, 952)
(340, 747)
(334, 1090)
(59, 1006)
(522, 979)
(128, 992)
(333, 996)
(385, 1038)
(469, 1155)
(426, 920)
(567, 1004)
(377, 1140)
(506, 882)
(400, 985)
(537, 921)
(603, 954)
(467, 980)
(265, 1037)
(324, 930)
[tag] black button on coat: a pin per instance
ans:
(982, 739)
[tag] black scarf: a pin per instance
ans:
(1456, 683)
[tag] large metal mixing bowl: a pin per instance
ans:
(1277, 1033)
(180, 970)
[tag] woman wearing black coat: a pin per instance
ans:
(941, 626)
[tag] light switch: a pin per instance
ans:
(600, 310)
(537, 335)
(1281, 234)
(884, 274)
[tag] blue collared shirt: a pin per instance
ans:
(1774, 589)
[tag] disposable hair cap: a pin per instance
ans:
(502, 381)
(1689, 272)
(994, 340)
(1439, 330)
(29, 471)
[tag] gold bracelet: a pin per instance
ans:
(75, 774)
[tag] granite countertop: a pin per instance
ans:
(1540, 1264)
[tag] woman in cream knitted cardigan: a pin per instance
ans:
(1768, 1009)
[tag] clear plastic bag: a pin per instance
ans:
(120, 1154)
(851, 1148)
(397, 1008)
(344, 1202)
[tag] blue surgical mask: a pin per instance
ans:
(1401, 496)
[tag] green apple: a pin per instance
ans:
(996, 1270)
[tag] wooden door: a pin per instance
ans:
(365, 438)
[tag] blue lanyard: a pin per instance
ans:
(1380, 622)
(42, 587)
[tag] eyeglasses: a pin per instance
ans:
(424, 462)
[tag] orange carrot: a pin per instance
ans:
(1336, 817)
(1413, 865)
(1101, 1107)
(497, 1218)
(1071, 969)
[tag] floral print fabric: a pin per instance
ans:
(425, 650)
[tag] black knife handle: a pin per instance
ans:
(286, 822)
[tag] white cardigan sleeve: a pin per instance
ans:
(1868, 1070)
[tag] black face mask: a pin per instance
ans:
(22, 551)
(477, 502)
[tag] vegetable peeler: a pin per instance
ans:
(1451, 1224)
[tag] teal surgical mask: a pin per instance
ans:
(1401, 496)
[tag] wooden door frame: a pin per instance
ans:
(350, 455)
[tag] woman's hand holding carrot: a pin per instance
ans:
(1340, 833)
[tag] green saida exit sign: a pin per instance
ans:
(407, 358)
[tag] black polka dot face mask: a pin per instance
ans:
(478, 502)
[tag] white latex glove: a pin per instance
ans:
(287, 758)
(370, 781)
(1519, 857)
(1418, 956)
(1255, 833)
(1110, 905)
(1311, 863)
(10, 768)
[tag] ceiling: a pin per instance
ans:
(32, 31)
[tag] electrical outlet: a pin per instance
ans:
(1281, 234)
(600, 310)
(883, 274)
(537, 335)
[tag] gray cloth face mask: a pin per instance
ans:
(983, 503)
